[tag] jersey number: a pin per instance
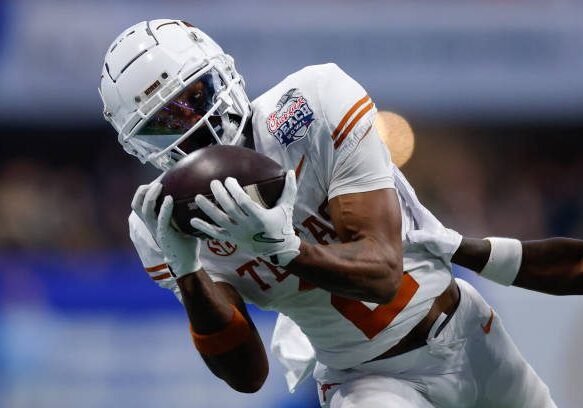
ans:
(369, 321)
(373, 321)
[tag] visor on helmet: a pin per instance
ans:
(183, 112)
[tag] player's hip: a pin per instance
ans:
(419, 359)
(468, 363)
(442, 310)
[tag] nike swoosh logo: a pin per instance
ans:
(260, 237)
(486, 329)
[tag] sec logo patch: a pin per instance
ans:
(221, 248)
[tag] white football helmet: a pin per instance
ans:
(164, 80)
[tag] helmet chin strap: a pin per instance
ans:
(229, 129)
(242, 126)
(239, 133)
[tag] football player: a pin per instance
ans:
(349, 255)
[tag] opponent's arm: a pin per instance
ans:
(553, 266)
(368, 264)
(220, 325)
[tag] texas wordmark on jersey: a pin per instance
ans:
(320, 122)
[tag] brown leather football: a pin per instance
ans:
(262, 178)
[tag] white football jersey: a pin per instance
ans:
(320, 122)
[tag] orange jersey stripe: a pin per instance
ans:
(372, 322)
(163, 276)
(363, 112)
(157, 268)
(300, 167)
(345, 118)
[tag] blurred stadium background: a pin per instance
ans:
(494, 93)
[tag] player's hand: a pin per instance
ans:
(267, 233)
(181, 251)
(143, 204)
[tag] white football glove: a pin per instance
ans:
(181, 251)
(266, 233)
(438, 240)
(144, 206)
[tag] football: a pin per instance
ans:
(261, 177)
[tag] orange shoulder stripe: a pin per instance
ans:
(300, 166)
(157, 268)
(163, 276)
(348, 114)
(347, 130)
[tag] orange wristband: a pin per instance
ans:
(234, 334)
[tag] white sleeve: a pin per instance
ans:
(153, 260)
(217, 271)
(151, 255)
(366, 168)
(355, 158)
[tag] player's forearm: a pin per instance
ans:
(210, 311)
(207, 308)
(473, 253)
(553, 266)
(362, 270)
